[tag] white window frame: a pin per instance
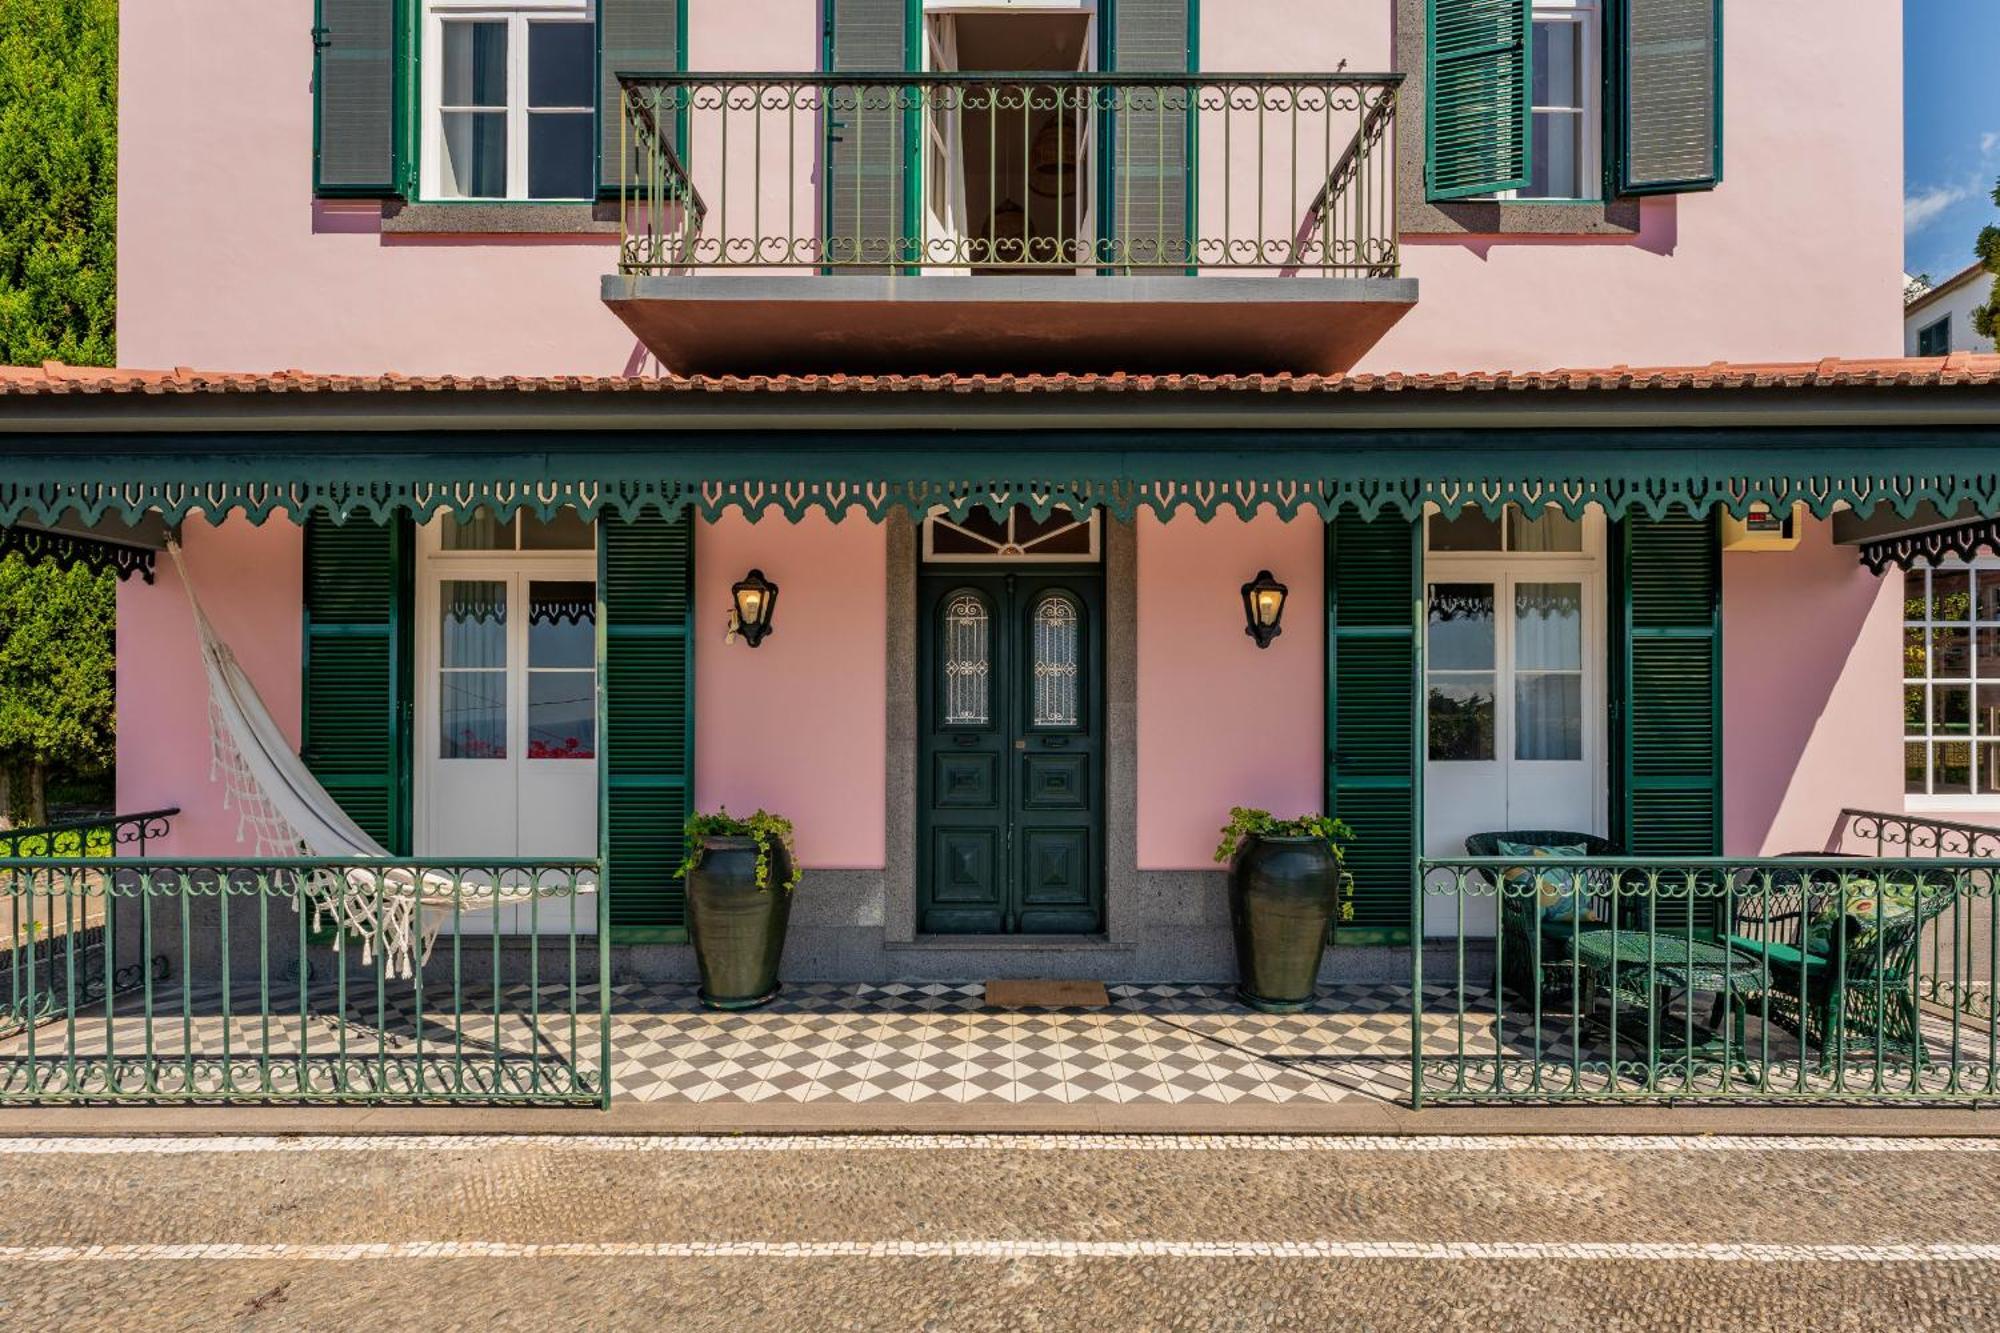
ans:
(1931, 801)
(517, 15)
(1590, 82)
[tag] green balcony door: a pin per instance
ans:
(1011, 752)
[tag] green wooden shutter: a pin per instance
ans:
(1667, 682)
(649, 721)
(356, 733)
(1373, 579)
(869, 138)
(1478, 121)
(1150, 131)
(633, 37)
(1667, 85)
(357, 116)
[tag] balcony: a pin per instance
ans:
(998, 222)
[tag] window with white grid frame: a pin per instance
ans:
(1951, 682)
(510, 96)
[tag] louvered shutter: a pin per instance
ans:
(1668, 83)
(1478, 121)
(356, 734)
(868, 136)
(633, 37)
(1149, 135)
(1668, 679)
(649, 721)
(355, 85)
(1372, 583)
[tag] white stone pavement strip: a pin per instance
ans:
(1320, 1250)
(843, 1143)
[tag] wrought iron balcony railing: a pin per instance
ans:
(1010, 173)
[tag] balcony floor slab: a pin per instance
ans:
(747, 324)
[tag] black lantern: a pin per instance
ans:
(1263, 608)
(754, 598)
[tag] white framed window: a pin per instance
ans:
(510, 97)
(1951, 687)
(1567, 97)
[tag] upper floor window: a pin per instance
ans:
(1935, 339)
(510, 95)
(1565, 83)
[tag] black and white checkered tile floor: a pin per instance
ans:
(939, 1043)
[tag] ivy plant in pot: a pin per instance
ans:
(1287, 883)
(740, 875)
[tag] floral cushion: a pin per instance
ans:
(1562, 897)
(1868, 910)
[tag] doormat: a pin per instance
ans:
(1046, 995)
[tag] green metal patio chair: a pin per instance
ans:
(1850, 973)
(1522, 923)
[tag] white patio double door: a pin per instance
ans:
(1514, 692)
(507, 705)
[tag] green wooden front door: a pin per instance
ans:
(1010, 828)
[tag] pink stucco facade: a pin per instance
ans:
(227, 261)
(797, 724)
(1222, 723)
(249, 580)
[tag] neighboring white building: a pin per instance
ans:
(1940, 321)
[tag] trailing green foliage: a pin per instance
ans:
(56, 679)
(764, 826)
(1246, 822)
(58, 181)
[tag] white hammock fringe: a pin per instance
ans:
(282, 811)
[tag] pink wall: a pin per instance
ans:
(798, 724)
(1222, 723)
(1812, 672)
(248, 579)
(1736, 274)
(226, 262)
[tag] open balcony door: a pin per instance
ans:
(945, 210)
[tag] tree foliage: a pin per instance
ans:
(58, 298)
(58, 179)
(56, 678)
(1986, 319)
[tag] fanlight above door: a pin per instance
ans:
(1062, 537)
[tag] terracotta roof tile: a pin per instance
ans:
(1959, 369)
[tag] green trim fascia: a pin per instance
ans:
(376, 474)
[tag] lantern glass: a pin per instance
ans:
(756, 597)
(1263, 608)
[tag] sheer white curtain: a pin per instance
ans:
(1548, 671)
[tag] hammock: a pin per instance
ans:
(282, 810)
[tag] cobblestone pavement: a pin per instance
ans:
(977, 1233)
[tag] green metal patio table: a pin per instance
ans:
(1649, 971)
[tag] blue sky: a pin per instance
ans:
(1951, 130)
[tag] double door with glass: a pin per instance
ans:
(1514, 652)
(1011, 754)
(507, 724)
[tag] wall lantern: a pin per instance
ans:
(1263, 608)
(754, 597)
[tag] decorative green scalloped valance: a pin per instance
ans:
(1206, 474)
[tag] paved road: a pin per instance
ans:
(976, 1234)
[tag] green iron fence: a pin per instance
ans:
(1010, 172)
(31, 942)
(306, 981)
(1626, 979)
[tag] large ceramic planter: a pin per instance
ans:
(1283, 893)
(738, 928)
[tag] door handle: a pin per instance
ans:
(1020, 745)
